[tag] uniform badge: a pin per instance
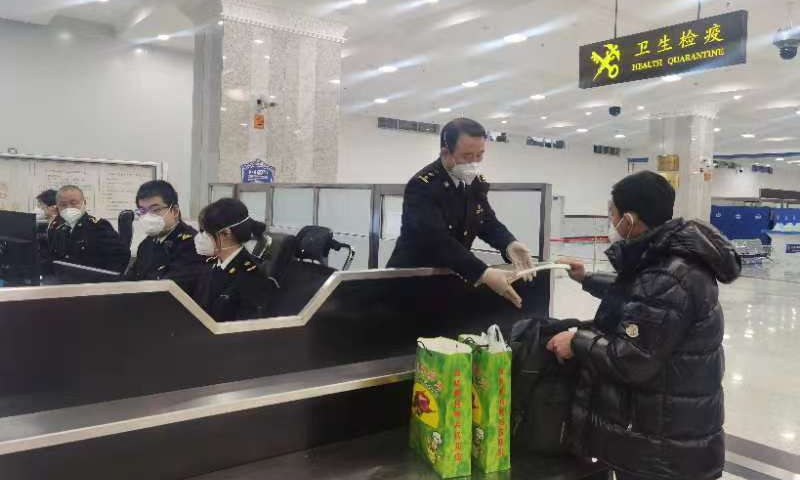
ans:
(232, 270)
(632, 330)
(185, 236)
(446, 184)
(479, 209)
(423, 178)
(252, 268)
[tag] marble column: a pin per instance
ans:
(253, 59)
(689, 138)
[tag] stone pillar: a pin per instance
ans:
(690, 138)
(291, 63)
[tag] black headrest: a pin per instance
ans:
(314, 243)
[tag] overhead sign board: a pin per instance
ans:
(703, 44)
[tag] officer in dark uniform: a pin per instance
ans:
(446, 207)
(77, 237)
(231, 286)
(168, 252)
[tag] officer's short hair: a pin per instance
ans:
(460, 126)
(158, 188)
(70, 188)
(48, 197)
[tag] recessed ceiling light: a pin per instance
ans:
(432, 1)
(139, 51)
(243, 124)
(581, 130)
(258, 41)
(163, 37)
(272, 97)
(797, 112)
(748, 135)
(223, 109)
(470, 84)
(445, 109)
(359, 2)
(672, 78)
(335, 81)
(588, 114)
(619, 135)
(737, 97)
(381, 100)
(220, 23)
(388, 69)
(543, 117)
(515, 38)
(640, 107)
(504, 122)
(538, 96)
(779, 159)
(266, 57)
(102, 1)
(717, 130)
(788, 435)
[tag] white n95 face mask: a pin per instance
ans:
(613, 234)
(152, 224)
(466, 172)
(204, 244)
(71, 215)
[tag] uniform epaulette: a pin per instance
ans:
(94, 219)
(232, 270)
(482, 178)
(185, 236)
(252, 268)
(211, 259)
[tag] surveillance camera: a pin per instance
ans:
(615, 111)
(786, 41)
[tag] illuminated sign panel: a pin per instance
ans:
(703, 44)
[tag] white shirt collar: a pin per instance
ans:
(162, 237)
(224, 265)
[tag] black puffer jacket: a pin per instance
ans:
(649, 399)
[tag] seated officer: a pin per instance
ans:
(446, 206)
(231, 286)
(168, 252)
(77, 237)
(46, 211)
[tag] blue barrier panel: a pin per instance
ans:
(740, 223)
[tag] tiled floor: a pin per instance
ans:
(762, 341)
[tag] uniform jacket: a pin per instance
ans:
(92, 242)
(239, 292)
(441, 220)
(173, 258)
(649, 400)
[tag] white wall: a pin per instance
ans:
(730, 183)
(94, 96)
(368, 154)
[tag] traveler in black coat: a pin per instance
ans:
(649, 401)
(77, 237)
(445, 207)
(168, 252)
(231, 286)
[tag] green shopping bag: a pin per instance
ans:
(441, 413)
(491, 400)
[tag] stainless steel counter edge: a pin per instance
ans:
(91, 289)
(56, 427)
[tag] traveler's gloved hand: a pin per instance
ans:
(577, 270)
(520, 257)
(561, 346)
(500, 282)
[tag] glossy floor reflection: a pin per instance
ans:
(762, 334)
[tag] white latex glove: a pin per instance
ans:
(500, 283)
(521, 258)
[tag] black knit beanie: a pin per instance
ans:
(647, 194)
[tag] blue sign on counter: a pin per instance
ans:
(258, 171)
(793, 248)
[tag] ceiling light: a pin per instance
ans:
(335, 81)
(515, 38)
(359, 2)
(223, 109)
(220, 23)
(588, 113)
(470, 84)
(717, 130)
(737, 97)
(139, 51)
(789, 435)
(266, 57)
(272, 97)
(538, 96)
(258, 41)
(388, 69)
(381, 100)
(672, 78)
(779, 159)
(243, 124)
(504, 122)
(640, 107)
(445, 110)
(581, 130)
(619, 135)
(797, 112)
(102, 1)
(748, 135)
(432, 1)
(224, 57)
(543, 117)
(163, 37)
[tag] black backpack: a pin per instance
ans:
(541, 388)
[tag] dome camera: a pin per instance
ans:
(786, 41)
(615, 111)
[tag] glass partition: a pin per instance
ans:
(347, 213)
(256, 203)
(292, 209)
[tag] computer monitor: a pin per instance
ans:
(19, 252)
(69, 273)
